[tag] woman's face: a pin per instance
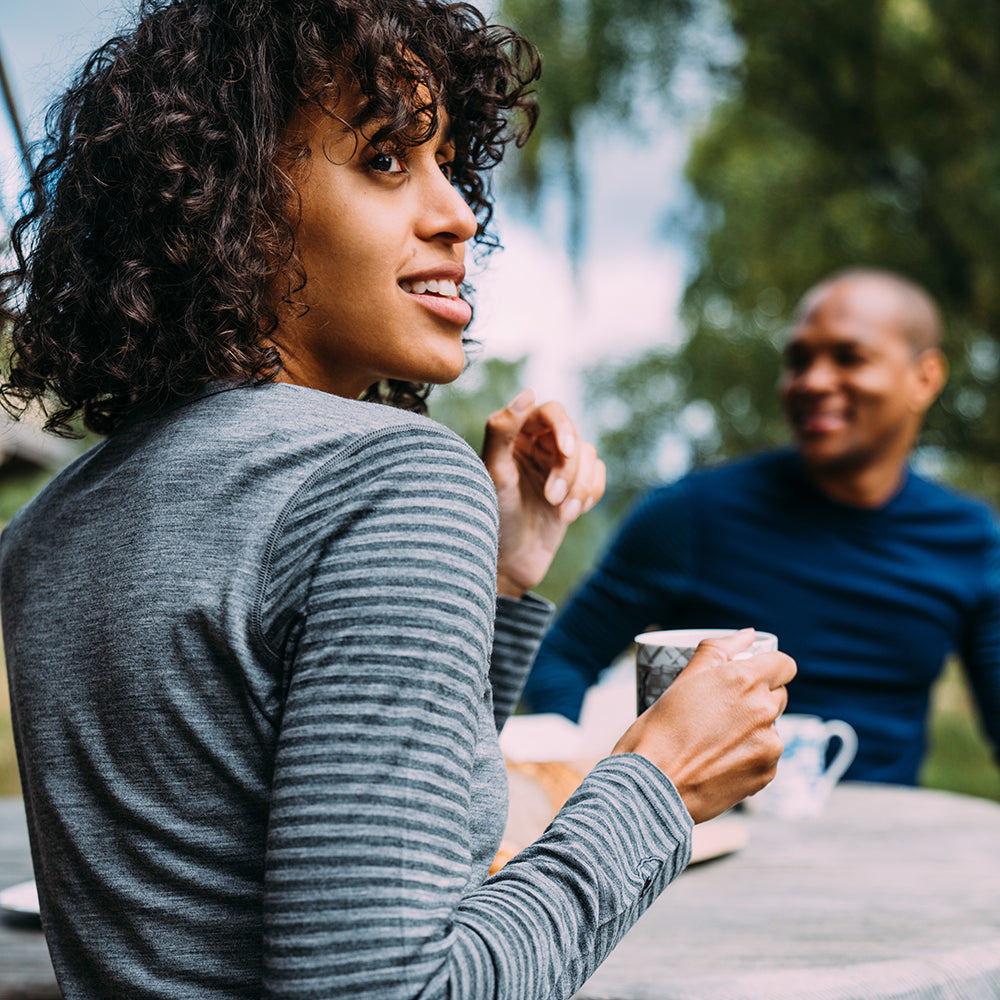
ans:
(381, 238)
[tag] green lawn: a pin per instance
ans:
(959, 759)
(9, 783)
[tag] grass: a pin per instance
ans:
(959, 758)
(9, 782)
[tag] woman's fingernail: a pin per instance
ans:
(567, 441)
(523, 401)
(557, 491)
(571, 509)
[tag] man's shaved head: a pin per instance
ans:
(919, 320)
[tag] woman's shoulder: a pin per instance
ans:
(339, 454)
(303, 425)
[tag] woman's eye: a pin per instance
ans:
(386, 163)
(448, 169)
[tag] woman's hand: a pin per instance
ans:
(712, 731)
(545, 478)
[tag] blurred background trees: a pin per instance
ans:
(842, 135)
(606, 57)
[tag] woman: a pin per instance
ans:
(260, 638)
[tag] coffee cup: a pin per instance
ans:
(805, 779)
(661, 656)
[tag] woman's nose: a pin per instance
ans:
(447, 214)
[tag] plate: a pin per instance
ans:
(717, 837)
(20, 900)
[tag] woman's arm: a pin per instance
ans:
(520, 626)
(370, 885)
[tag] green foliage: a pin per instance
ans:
(17, 490)
(851, 134)
(958, 757)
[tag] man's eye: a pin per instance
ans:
(386, 163)
(795, 361)
(849, 358)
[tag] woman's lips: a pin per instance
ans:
(441, 298)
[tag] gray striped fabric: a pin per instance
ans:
(256, 691)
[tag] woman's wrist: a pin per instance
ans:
(510, 588)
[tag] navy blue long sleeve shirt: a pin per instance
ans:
(868, 602)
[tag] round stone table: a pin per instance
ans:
(25, 970)
(892, 894)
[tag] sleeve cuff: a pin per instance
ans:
(659, 824)
(531, 612)
(520, 625)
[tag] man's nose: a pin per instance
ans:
(819, 375)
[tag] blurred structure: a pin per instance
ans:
(26, 448)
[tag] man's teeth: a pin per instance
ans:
(444, 286)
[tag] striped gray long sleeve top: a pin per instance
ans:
(256, 694)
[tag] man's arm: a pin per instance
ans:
(635, 585)
(981, 651)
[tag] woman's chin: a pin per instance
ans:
(444, 371)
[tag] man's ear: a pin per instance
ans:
(931, 374)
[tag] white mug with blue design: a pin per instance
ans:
(806, 776)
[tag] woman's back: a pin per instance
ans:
(166, 581)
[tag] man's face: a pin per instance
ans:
(853, 391)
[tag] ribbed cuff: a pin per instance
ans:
(659, 825)
(531, 613)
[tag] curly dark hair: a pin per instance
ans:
(155, 221)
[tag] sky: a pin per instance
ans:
(530, 302)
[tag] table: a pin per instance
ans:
(25, 970)
(892, 894)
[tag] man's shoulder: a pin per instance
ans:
(943, 499)
(768, 478)
(763, 469)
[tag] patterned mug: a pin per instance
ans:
(661, 656)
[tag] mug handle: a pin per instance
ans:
(844, 731)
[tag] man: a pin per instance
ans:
(869, 574)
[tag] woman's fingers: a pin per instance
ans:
(586, 486)
(575, 478)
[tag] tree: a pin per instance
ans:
(849, 134)
(607, 56)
